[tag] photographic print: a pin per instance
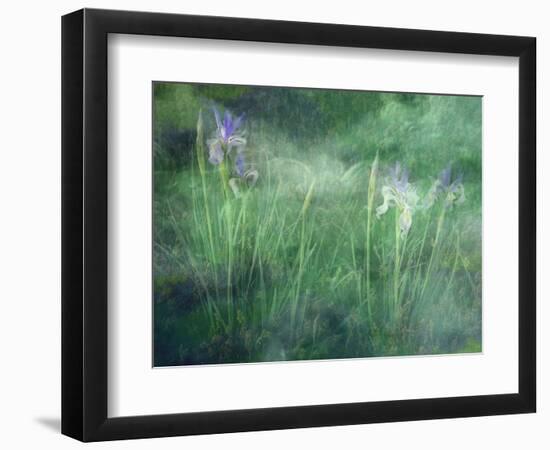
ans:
(312, 224)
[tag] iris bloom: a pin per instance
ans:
(399, 193)
(245, 176)
(229, 134)
(452, 191)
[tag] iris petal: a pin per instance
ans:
(217, 116)
(239, 164)
(228, 124)
(405, 221)
(445, 176)
(238, 122)
(251, 177)
(215, 154)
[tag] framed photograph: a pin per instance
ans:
(273, 224)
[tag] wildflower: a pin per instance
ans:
(245, 177)
(399, 193)
(451, 191)
(229, 134)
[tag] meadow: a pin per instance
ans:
(303, 224)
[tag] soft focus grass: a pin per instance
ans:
(300, 267)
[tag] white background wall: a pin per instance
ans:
(30, 222)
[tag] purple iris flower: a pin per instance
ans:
(445, 179)
(398, 193)
(246, 177)
(228, 128)
(444, 186)
(229, 134)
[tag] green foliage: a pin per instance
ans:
(220, 92)
(175, 106)
(299, 266)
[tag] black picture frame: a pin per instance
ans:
(84, 224)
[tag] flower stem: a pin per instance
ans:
(224, 175)
(434, 248)
(370, 202)
(397, 266)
